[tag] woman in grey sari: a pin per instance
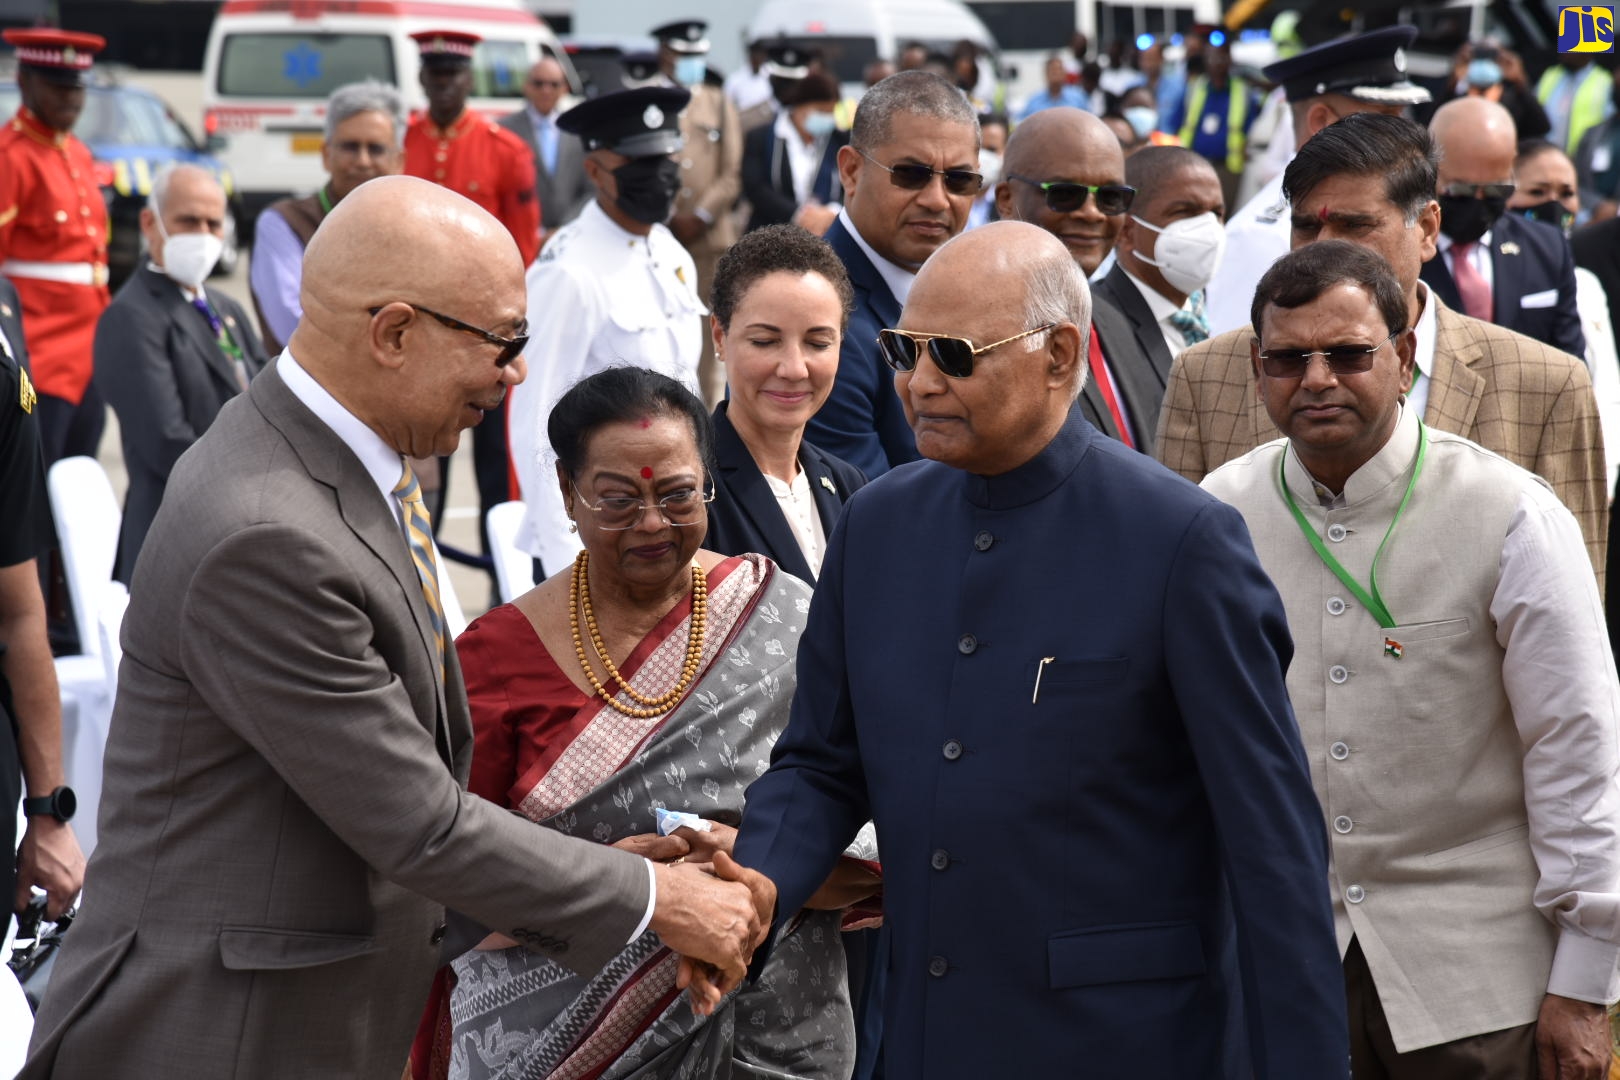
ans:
(651, 677)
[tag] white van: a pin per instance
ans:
(270, 65)
(850, 34)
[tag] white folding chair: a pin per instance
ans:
(87, 519)
(114, 602)
(514, 569)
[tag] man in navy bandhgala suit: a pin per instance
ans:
(1052, 673)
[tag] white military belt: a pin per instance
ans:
(67, 273)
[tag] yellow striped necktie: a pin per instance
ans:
(419, 538)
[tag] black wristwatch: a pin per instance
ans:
(59, 804)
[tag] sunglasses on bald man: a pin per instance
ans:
(953, 356)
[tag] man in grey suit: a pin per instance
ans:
(170, 352)
(559, 160)
(284, 820)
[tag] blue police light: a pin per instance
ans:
(1144, 42)
(1217, 38)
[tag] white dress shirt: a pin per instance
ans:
(1422, 353)
(803, 158)
(1479, 257)
(798, 505)
(895, 276)
(386, 466)
(1164, 309)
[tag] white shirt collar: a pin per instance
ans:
(1425, 328)
(185, 290)
(896, 277)
(1157, 302)
(1444, 242)
(536, 116)
(382, 462)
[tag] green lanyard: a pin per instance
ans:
(325, 201)
(1369, 597)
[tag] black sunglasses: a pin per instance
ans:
(916, 177)
(952, 355)
(511, 348)
(1462, 189)
(1064, 197)
(542, 84)
(1340, 359)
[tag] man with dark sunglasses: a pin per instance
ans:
(1493, 265)
(1454, 691)
(1065, 172)
(1053, 674)
(910, 174)
(1370, 179)
(559, 160)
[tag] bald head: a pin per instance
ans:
(1063, 145)
(1477, 142)
(1013, 286)
(398, 245)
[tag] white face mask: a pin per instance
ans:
(1187, 251)
(190, 257)
(990, 167)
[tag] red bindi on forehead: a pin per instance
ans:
(1323, 214)
(644, 423)
(646, 472)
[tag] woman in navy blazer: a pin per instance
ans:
(781, 300)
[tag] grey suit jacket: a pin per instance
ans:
(562, 193)
(284, 819)
(166, 378)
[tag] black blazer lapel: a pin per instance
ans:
(1133, 372)
(824, 487)
(870, 288)
(754, 497)
(1435, 275)
(1508, 272)
(192, 326)
(1118, 289)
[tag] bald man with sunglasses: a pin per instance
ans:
(1065, 172)
(1053, 674)
(910, 175)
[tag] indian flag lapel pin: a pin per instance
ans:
(1393, 648)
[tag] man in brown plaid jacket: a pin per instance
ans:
(1370, 179)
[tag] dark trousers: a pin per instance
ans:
(1509, 1054)
(68, 430)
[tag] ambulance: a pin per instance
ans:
(270, 65)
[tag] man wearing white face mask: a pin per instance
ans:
(170, 351)
(1167, 250)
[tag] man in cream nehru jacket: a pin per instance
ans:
(1455, 694)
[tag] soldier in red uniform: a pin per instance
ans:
(470, 154)
(473, 156)
(53, 234)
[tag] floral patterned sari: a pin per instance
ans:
(517, 1015)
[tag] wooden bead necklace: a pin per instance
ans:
(579, 600)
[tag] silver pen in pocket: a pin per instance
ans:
(1040, 669)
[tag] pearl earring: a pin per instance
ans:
(573, 527)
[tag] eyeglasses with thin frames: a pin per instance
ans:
(1066, 196)
(914, 177)
(619, 513)
(953, 356)
(1340, 359)
(511, 348)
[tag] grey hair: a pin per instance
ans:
(919, 93)
(163, 178)
(1056, 292)
(352, 99)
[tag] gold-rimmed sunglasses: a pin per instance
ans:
(952, 355)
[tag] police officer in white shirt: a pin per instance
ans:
(1358, 73)
(613, 286)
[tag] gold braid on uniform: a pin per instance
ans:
(579, 601)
